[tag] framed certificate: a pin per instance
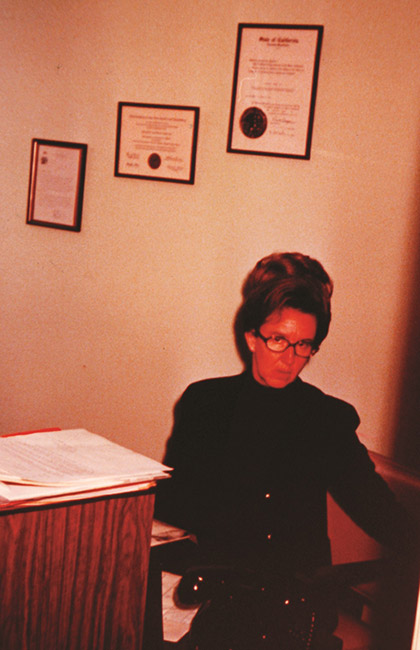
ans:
(274, 89)
(156, 142)
(56, 184)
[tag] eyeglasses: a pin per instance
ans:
(304, 348)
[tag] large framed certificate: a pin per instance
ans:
(274, 89)
(56, 184)
(156, 141)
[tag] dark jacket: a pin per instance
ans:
(252, 468)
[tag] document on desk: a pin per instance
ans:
(163, 533)
(60, 462)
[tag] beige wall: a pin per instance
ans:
(103, 329)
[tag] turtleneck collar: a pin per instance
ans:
(255, 385)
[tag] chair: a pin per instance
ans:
(349, 544)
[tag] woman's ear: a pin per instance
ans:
(250, 339)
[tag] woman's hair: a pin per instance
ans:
(283, 280)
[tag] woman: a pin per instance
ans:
(254, 455)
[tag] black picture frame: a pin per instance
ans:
(156, 142)
(274, 89)
(56, 184)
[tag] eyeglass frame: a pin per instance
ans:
(314, 349)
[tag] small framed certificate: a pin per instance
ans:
(156, 142)
(274, 89)
(56, 184)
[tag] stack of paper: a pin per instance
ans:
(163, 533)
(50, 465)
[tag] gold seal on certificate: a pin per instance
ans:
(154, 161)
(253, 122)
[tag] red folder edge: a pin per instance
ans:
(25, 433)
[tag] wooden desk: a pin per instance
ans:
(74, 576)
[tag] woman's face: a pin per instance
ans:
(278, 369)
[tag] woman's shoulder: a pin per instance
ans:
(215, 386)
(209, 399)
(328, 405)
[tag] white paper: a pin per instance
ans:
(163, 533)
(12, 496)
(47, 463)
(56, 184)
(176, 621)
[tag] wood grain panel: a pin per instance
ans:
(74, 577)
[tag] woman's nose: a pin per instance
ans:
(288, 356)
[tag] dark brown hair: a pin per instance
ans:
(283, 280)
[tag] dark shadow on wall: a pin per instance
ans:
(407, 416)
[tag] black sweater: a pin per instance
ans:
(252, 468)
